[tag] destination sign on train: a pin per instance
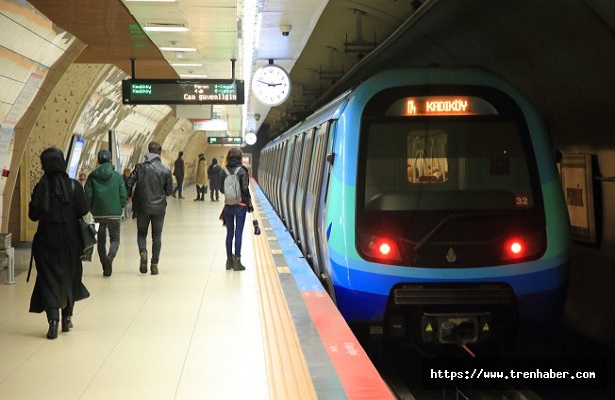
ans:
(183, 91)
(441, 106)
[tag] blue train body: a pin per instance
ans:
(428, 202)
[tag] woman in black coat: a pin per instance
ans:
(213, 173)
(57, 202)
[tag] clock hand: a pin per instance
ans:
(269, 84)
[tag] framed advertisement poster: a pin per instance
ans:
(576, 173)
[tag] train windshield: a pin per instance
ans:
(443, 175)
(445, 165)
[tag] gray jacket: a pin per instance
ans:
(151, 182)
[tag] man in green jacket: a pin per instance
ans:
(106, 193)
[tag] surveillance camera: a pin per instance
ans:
(285, 29)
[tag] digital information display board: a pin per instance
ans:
(224, 140)
(183, 91)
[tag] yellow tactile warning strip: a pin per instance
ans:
(287, 370)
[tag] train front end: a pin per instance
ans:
(454, 226)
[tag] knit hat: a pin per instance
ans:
(104, 156)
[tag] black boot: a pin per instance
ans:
(229, 262)
(52, 333)
(154, 269)
(237, 266)
(67, 323)
(143, 262)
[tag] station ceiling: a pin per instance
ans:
(560, 54)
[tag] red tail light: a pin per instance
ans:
(516, 248)
(380, 247)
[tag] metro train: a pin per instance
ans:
(428, 202)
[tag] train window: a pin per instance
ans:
(427, 161)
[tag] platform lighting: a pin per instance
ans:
(165, 28)
(177, 49)
(186, 65)
(194, 76)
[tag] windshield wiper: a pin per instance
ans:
(444, 220)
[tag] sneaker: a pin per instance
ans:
(154, 269)
(143, 263)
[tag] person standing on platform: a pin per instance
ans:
(154, 183)
(57, 203)
(200, 179)
(234, 211)
(105, 190)
(213, 173)
(178, 172)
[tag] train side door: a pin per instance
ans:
(284, 187)
(313, 201)
(281, 153)
(275, 177)
(321, 217)
(304, 173)
(293, 186)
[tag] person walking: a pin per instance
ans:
(200, 179)
(128, 208)
(178, 172)
(213, 173)
(153, 184)
(106, 193)
(57, 203)
(234, 212)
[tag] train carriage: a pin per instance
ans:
(429, 203)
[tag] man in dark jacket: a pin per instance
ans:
(106, 193)
(153, 184)
(179, 172)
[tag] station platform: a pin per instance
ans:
(196, 330)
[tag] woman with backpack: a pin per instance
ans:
(235, 181)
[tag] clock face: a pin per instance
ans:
(271, 85)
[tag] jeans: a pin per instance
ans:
(113, 225)
(143, 222)
(234, 219)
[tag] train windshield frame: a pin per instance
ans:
(456, 155)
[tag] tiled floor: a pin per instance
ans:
(192, 332)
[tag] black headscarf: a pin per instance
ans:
(52, 161)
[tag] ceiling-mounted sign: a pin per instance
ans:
(183, 91)
(224, 140)
(210, 125)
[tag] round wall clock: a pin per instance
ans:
(271, 84)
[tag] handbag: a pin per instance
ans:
(88, 238)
